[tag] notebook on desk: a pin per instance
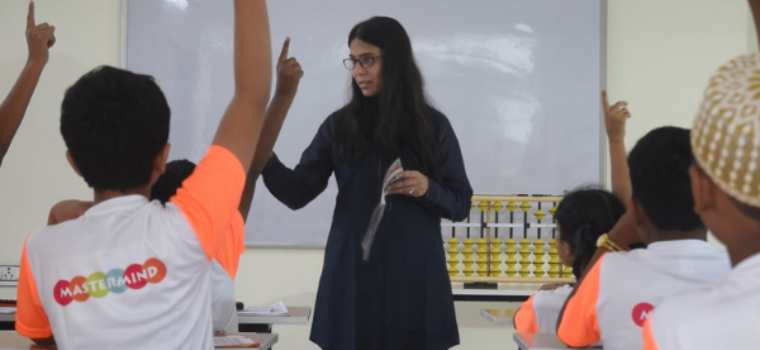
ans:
(235, 341)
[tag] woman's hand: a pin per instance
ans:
(289, 72)
(410, 183)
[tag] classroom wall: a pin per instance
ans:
(659, 55)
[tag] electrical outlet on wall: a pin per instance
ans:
(9, 274)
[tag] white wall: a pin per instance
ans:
(659, 56)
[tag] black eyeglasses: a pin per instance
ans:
(365, 61)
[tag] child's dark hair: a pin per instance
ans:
(659, 166)
(583, 215)
(166, 186)
(114, 123)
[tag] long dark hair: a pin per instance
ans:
(396, 122)
(584, 215)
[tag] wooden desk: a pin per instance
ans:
(13, 341)
(541, 342)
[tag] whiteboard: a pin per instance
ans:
(519, 80)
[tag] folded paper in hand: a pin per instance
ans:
(391, 175)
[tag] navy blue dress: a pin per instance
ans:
(401, 298)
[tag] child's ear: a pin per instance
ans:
(160, 162)
(72, 163)
(702, 190)
(643, 224)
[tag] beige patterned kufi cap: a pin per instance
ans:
(725, 137)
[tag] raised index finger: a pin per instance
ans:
(285, 49)
(30, 22)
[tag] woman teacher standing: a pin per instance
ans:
(401, 297)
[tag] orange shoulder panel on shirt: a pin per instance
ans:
(525, 318)
(31, 320)
(649, 342)
(210, 197)
(229, 250)
(579, 326)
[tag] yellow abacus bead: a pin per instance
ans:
(511, 205)
(496, 205)
(484, 205)
(511, 269)
(539, 214)
(468, 243)
(538, 247)
(511, 259)
(482, 245)
(553, 259)
(524, 270)
(553, 210)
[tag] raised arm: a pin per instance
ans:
(289, 74)
(755, 6)
(615, 117)
(241, 124)
(39, 38)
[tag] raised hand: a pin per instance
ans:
(39, 37)
(615, 117)
(289, 72)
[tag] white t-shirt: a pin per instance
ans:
(725, 316)
(133, 274)
(620, 291)
(223, 310)
(538, 315)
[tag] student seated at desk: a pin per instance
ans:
(582, 216)
(132, 273)
(614, 298)
(726, 186)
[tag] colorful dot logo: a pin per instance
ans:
(641, 312)
(98, 285)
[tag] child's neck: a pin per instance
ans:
(743, 251)
(104, 195)
(746, 244)
(674, 235)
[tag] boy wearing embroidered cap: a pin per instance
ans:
(726, 187)
(616, 296)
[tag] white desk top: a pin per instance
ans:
(296, 315)
(13, 341)
(541, 342)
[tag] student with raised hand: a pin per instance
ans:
(582, 216)
(614, 298)
(726, 186)
(39, 39)
(131, 273)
